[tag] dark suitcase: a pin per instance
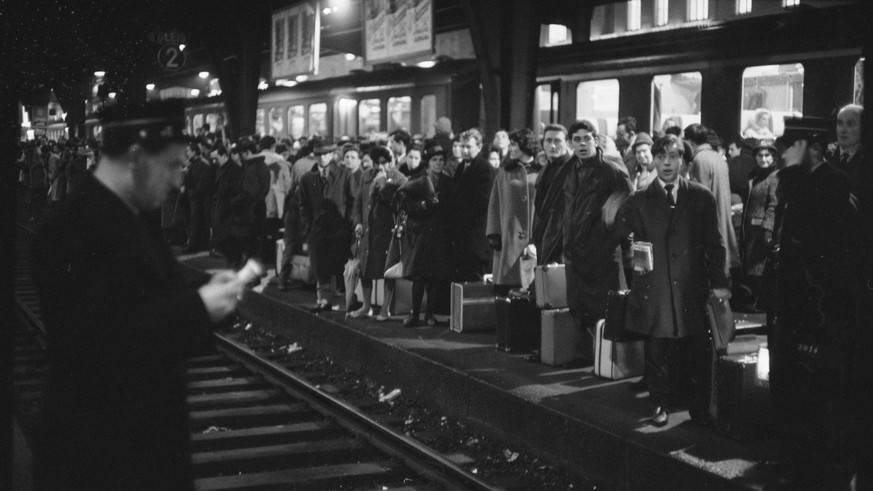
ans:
(743, 407)
(518, 323)
(472, 307)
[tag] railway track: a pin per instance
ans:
(255, 424)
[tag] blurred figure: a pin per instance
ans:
(197, 190)
(501, 141)
(761, 126)
(443, 134)
(224, 218)
(399, 142)
(625, 131)
(645, 163)
(847, 155)
(250, 202)
(759, 216)
(494, 157)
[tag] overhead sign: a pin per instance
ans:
(168, 37)
(296, 40)
(397, 28)
(171, 58)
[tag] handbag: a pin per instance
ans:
(720, 321)
(616, 309)
(395, 252)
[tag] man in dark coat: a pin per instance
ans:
(249, 204)
(667, 301)
(472, 182)
(197, 187)
(590, 239)
(814, 352)
(228, 183)
(547, 234)
(120, 318)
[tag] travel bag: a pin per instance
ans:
(473, 307)
(559, 337)
(518, 323)
(550, 285)
(616, 360)
(743, 410)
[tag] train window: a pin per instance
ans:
(545, 107)
(634, 15)
(189, 125)
(318, 119)
(698, 10)
(277, 122)
(428, 115)
(790, 3)
(743, 7)
(296, 123)
(675, 100)
(662, 13)
(770, 92)
(399, 113)
(369, 112)
(597, 101)
(198, 122)
(555, 35)
(348, 117)
(858, 85)
(260, 126)
(213, 120)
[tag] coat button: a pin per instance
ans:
(524, 198)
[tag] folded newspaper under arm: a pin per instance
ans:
(643, 258)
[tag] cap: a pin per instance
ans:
(765, 143)
(431, 149)
(642, 138)
(817, 130)
(152, 122)
(323, 148)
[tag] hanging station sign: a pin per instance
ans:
(296, 41)
(397, 29)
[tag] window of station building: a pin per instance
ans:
(277, 122)
(348, 117)
(597, 101)
(369, 113)
(858, 83)
(399, 113)
(318, 119)
(545, 107)
(675, 100)
(260, 122)
(634, 15)
(698, 10)
(555, 35)
(662, 13)
(743, 7)
(428, 115)
(770, 92)
(296, 122)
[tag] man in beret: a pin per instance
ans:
(120, 318)
(811, 345)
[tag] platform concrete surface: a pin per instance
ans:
(595, 426)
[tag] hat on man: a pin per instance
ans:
(642, 138)
(815, 130)
(323, 148)
(153, 124)
(432, 148)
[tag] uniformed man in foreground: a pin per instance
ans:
(120, 318)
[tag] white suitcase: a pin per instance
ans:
(614, 360)
(559, 338)
(550, 284)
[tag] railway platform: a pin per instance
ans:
(598, 428)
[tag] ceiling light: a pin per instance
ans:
(150, 86)
(426, 64)
(99, 73)
(350, 57)
(112, 95)
(195, 92)
(203, 74)
(181, 47)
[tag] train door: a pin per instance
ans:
(546, 105)
(675, 100)
(597, 101)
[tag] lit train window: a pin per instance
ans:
(675, 100)
(369, 112)
(790, 3)
(555, 35)
(743, 7)
(858, 85)
(545, 107)
(296, 123)
(318, 119)
(428, 115)
(662, 14)
(189, 125)
(213, 120)
(770, 92)
(399, 113)
(698, 10)
(198, 122)
(277, 122)
(260, 125)
(634, 15)
(348, 117)
(597, 101)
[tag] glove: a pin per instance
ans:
(494, 242)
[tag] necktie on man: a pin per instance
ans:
(844, 160)
(670, 199)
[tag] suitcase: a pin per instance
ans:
(518, 323)
(746, 343)
(616, 360)
(403, 297)
(743, 407)
(280, 249)
(473, 307)
(550, 284)
(377, 297)
(300, 269)
(559, 337)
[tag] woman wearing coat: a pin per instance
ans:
(424, 255)
(373, 218)
(759, 215)
(510, 211)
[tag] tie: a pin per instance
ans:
(669, 189)
(844, 160)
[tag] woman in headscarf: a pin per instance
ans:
(759, 215)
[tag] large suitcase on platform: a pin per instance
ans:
(403, 297)
(550, 285)
(559, 337)
(617, 360)
(473, 307)
(301, 270)
(518, 323)
(743, 407)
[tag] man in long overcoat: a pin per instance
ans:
(249, 204)
(228, 184)
(667, 304)
(120, 318)
(549, 198)
(590, 239)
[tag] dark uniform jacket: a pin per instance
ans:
(120, 321)
(688, 252)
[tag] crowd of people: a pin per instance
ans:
(771, 224)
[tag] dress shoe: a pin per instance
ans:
(411, 320)
(430, 320)
(361, 312)
(660, 417)
(322, 307)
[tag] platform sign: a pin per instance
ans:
(295, 40)
(397, 28)
(171, 58)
